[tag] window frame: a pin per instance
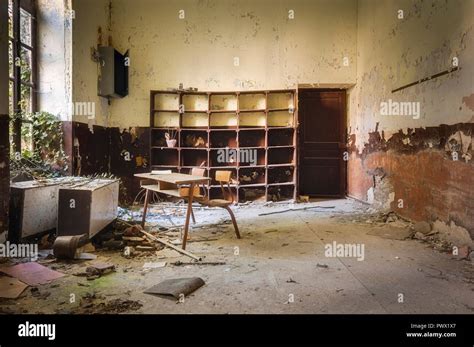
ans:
(18, 45)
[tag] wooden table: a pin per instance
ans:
(169, 184)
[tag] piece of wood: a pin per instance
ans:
(167, 244)
(181, 263)
(294, 209)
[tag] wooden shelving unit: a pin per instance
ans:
(263, 122)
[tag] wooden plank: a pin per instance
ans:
(167, 244)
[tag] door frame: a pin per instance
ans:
(344, 136)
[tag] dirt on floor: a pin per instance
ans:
(332, 256)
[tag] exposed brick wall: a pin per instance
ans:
(422, 172)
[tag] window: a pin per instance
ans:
(22, 69)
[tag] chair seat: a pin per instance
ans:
(215, 202)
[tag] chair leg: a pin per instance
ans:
(233, 221)
(192, 216)
(147, 197)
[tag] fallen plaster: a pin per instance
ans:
(453, 233)
(460, 142)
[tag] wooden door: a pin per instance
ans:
(322, 133)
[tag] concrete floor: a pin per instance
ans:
(276, 271)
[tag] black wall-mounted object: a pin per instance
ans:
(113, 78)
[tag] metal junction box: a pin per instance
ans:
(87, 208)
(113, 78)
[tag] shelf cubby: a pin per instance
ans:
(252, 120)
(280, 119)
(283, 155)
(194, 139)
(223, 139)
(280, 192)
(195, 102)
(225, 120)
(281, 174)
(165, 119)
(280, 100)
(251, 156)
(223, 102)
(251, 175)
(165, 156)
(224, 157)
(252, 138)
(158, 138)
(249, 101)
(252, 194)
(194, 120)
(192, 157)
(166, 101)
(280, 137)
(216, 193)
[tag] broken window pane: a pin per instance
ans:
(26, 64)
(25, 103)
(10, 58)
(10, 98)
(25, 27)
(10, 18)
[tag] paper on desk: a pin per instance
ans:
(161, 172)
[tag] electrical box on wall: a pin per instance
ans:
(113, 77)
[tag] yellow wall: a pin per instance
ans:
(393, 52)
(274, 51)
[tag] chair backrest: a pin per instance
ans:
(224, 176)
(197, 171)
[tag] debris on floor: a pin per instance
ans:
(95, 270)
(154, 265)
(296, 209)
(391, 232)
(66, 247)
(97, 304)
(31, 273)
(11, 288)
(176, 287)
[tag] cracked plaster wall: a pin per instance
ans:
(275, 52)
(414, 156)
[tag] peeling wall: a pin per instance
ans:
(121, 152)
(425, 160)
(90, 28)
(274, 51)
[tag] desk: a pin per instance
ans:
(168, 184)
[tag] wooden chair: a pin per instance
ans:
(224, 178)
